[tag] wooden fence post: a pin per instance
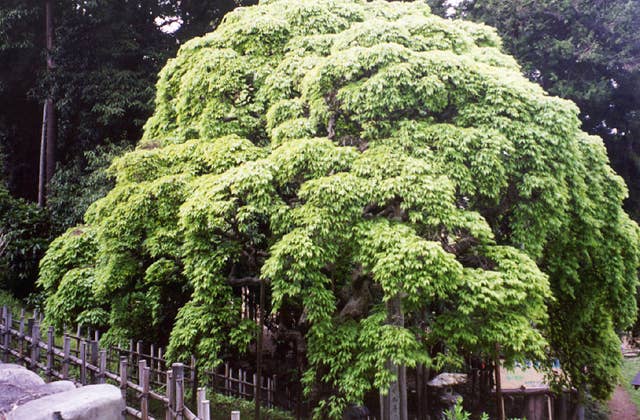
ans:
(206, 409)
(193, 376)
(274, 386)
(4, 329)
(35, 345)
(94, 357)
(7, 332)
(131, 350)
(201, 396)
(66, 349)
(143, 379)
(171, 396)
(231, 381)
(227, 382)
(255, 386)
(160, 368)
(83, 362)
(138, 353)
(152, 364)
(123, 377)
(178, 378)
(103, 366)
(50, 337)
(21, 336)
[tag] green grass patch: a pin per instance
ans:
(221, 407)
(629, 369)
(6, 298)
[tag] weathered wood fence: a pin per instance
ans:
(142, 377)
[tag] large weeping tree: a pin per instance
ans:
(405, 195)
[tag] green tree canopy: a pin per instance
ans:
(586, 51)
(358, 157)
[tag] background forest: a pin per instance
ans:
(102, 76)
(107, 55)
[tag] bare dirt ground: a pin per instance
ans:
(621, 407)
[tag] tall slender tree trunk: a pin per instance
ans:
(48, 137)
(42, 166)
(51, 141)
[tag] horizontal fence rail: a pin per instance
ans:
(141, 377)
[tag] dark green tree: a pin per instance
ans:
(24, 237)
(21, 44)
(24, 229)
(108, 57)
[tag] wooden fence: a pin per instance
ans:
(141, 377)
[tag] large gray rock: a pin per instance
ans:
(16, 386)
(445, 380)
(55, 387)
(19, 376)
(11, 366)
(87, 403)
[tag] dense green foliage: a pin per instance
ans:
(24, 235)
(107, 56)
(586, 51)
(78, 184)
(360, 158)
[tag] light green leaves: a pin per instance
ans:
(352, 156)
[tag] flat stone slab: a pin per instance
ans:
(86, 403)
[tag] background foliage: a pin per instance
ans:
(24, 235)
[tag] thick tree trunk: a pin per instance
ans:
(258, 390)
(420, 393)
(396, 401)
(499, 397)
